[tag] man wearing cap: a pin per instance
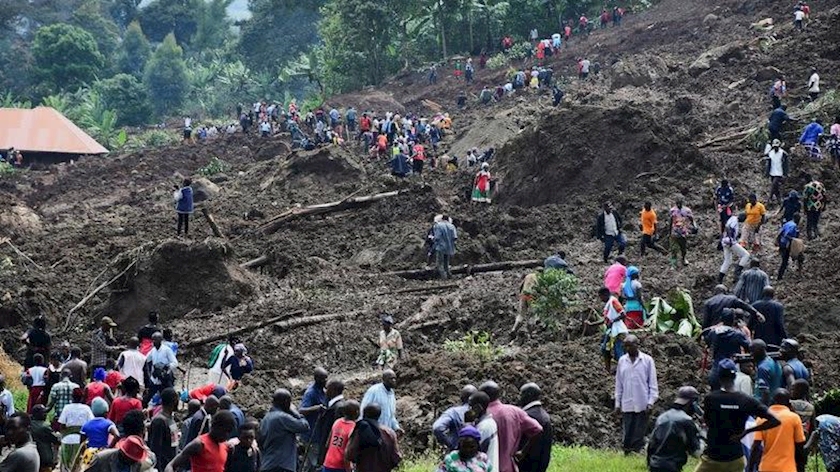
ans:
(390, 343)
(675, 435)
(725, 412)
(792, 368)
(776, 167)
(129, 456)
(782, 446)
(636, 390)
(446, 427)
(102, 343)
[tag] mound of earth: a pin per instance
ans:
(584, 151)
(177, 277)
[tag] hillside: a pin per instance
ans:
(635, 132)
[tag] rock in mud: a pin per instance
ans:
(204, 190)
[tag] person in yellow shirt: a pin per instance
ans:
(647, 223)
(756, 216)
(784, 445)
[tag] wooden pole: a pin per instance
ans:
(254, 263)
(275, 223)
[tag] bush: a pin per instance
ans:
(152, 138)
(554, 296)
(517, 52)
(828, 403)
(7, 169)
(216, 166)
(475, 344)
(497, 61)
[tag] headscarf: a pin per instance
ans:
(628, 282)
(99, 374)
(99, 407)
(470, 432)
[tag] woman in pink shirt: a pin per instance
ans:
(615, 275)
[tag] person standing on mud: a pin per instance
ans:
(183, 197)
(446, 427)
(608, 230)
(776, 167)
(102, 343)
(160, 368)
(37, 340)
(445, 238)
(773, 330)
(681, 225)
(514, 425)
(647, 223)
(382, 394)
(789, 245)
(675, 435)
(636, 390)
(814, 203)
(390, 344)
(538, 457)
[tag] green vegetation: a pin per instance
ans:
(216, 166)
(828, 403)
(66, 57)
(564, 459)
(676, 313)
(6, 169)
(479, 345)
(554, 296)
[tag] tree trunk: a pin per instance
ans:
(470, 21)
(442, 25)
(276, 222)
(425, 274)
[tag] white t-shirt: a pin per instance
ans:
(132, 364)
(814, 83)
(75, 414)
(776, 157)
(264, 126)
(799, 15)
(584, 66)
(490, 433)
(188, 122)
(610, 226)
(38, 374)
(618, 327)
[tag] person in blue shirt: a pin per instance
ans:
(811, 139)
(446, 427)
(238, 365)
(350, 116)
(334, 118)
(184, 205)
(725, 341)
(382, 394)
(768, 372)
(777, 119)
(793, 369)
(312, 407)
(724, 196)
(786, 237)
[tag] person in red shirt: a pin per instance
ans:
(201, 393)
(113, 377)
(568, 32)
(98, 388)
(208, 452)
(419, 156)
(125, 403)
(339, 437)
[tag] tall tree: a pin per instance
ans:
(166, 77)
(277, 32)
(90, 17)
(135, 51)
(123, 12)
(162, 17)
(213, 29)
(128, 96)
(66, 56)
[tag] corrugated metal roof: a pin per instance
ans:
(44, 129)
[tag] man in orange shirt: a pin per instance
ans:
(784, 445)
(756, 216)
(648, 227)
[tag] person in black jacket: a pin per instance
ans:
(537, 458)
(675, 435)
(321, 432)
(608, 230)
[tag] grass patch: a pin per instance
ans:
(565, 459)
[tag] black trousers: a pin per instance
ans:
(635, 427)
(184, 220)
(812, 222)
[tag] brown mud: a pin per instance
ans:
(630, 134)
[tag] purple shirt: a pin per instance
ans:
(513, 424)
(635, 383)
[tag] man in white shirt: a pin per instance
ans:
(584, 68)
(7, 402)
(486, 426)
(799, 19)
(160, 367)
(776, 167)
(131, 361)
(814, 84)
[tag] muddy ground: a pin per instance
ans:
(631, 134)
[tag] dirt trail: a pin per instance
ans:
(627, 135)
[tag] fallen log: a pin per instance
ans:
(741, 135)
(306, 321)
(212, 221)
(244, 329)
(423, 274)
(275, 223)
(420, 289)
(254, 263)
(98, 289)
